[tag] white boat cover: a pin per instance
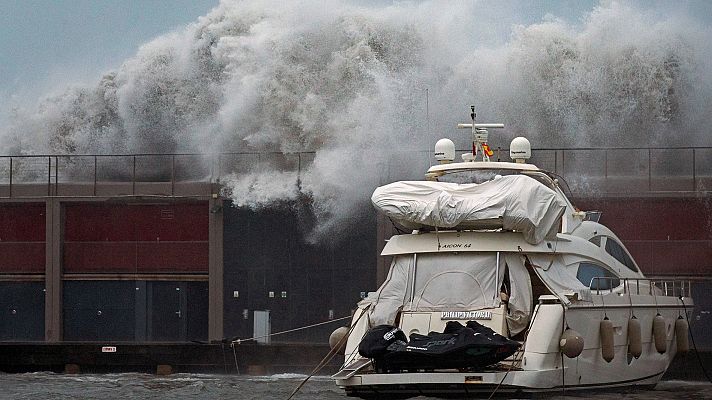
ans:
(442, 282)
(520, 294)
(513, 202)
(559, 277)
(453, 282)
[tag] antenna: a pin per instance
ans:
(479, 137)
(427, 112)
(427, 117)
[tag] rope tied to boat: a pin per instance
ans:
(330, 355)
(238, 341)
(516, 359)
(697, 353)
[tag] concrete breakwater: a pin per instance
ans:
(246, 358)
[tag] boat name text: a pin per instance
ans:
(456, 246)
(470, 315)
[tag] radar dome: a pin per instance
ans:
(520, 150)
(445, 150)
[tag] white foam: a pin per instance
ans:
(348, 83)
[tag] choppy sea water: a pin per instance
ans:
(38, 386)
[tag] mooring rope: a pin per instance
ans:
(520, 351)
(697, 353)
(238, 341)
(222, 350)
(234, 354)
(330, 355)
(511, 366)
(561, 352)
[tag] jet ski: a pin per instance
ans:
(469, 348)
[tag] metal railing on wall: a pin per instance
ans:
(631, 170)
(587, 170)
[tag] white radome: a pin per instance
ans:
(445, 151)
(520, 149)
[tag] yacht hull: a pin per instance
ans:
(623, 329)
(538, 368)
(475, 385)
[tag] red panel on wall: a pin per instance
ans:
(666, 236)
(22, 258)
(136, 238)
(654, 218)
(22, 238)
(22, 222)
(173, 256)
(123, 222)
(100, 257)
(136, 257)
(98, 222)
(186, 222)
(677, 258)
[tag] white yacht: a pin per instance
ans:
(500, 243)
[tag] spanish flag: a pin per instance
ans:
(487, 150)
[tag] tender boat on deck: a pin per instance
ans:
(499, 244)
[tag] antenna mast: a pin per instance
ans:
(479, 137)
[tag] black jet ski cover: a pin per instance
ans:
(457, 347)
(376, 341)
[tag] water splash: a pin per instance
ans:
(348, 83)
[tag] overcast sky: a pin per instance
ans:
(50, 44)
(46, 41)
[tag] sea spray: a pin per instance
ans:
(347, 85)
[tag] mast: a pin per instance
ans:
(479, 137)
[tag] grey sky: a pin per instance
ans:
(46, 44)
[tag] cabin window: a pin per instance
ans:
(616, 250)
(596, 240)
(588, 272)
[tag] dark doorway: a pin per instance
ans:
(167, 312)
(99, 310)
(701, 320)
(154, 311)
(22, 311)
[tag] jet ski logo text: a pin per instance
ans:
(426, 346)
(390, 334)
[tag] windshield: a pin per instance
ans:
(484, 175)
(474, 175)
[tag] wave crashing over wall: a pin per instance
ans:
(347, 85)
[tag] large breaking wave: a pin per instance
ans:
(348, 84)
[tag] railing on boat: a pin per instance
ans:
(665, 287)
